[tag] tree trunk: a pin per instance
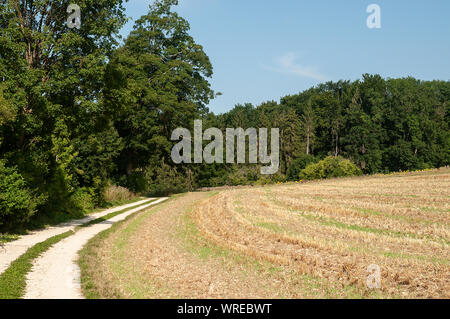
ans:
(307, 143)
(130, 167)
(336, 150)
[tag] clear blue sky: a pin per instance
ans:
(263, 50)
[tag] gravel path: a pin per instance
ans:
(13, 250)
(56, 275)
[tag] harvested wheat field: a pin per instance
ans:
(296, 240)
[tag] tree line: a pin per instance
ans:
(81, 111)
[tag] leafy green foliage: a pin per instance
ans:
(157, 82)
(168, 181)
(51, 83)
(328, 168)
(7, 112)
(17, 202)
(298, 165)
(83, 199)
(79, 112)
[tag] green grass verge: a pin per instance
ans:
(88, 285)
(6, 238)
(13, 280)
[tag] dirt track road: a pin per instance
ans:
(13, 250)
(55, 275)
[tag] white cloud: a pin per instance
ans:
(287, 64)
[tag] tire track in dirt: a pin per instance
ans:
(13, 250)
(55, 275)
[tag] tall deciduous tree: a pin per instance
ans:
(308, 125)
(289, 124)
(53, 76)
(158, 82)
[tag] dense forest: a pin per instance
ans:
(81, 111)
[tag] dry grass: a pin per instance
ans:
(114, 194)
(161, 254)
(335, 229)
(311, 240)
